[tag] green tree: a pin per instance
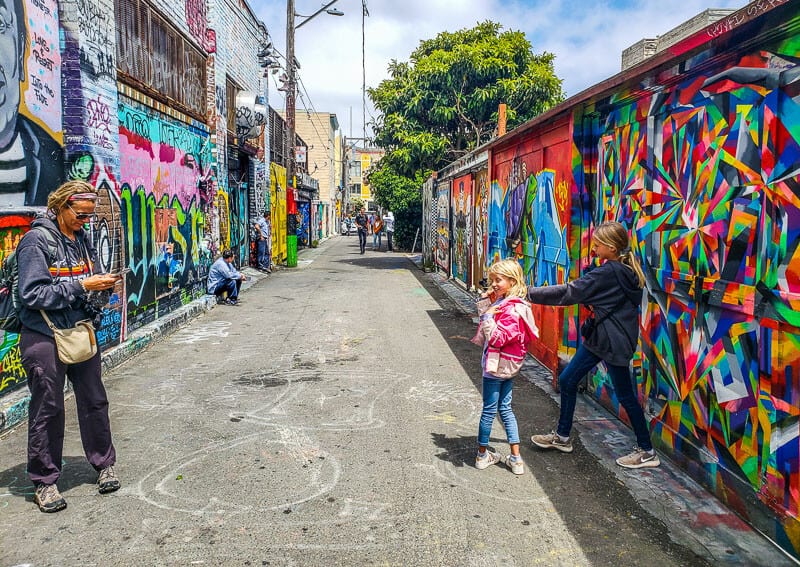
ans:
(443, 103)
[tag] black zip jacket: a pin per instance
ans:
(52, 286)
(610, 288)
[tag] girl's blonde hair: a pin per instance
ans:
(511, 270)
(615, 235)
(59, 198)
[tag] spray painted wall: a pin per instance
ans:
(705, 173)
(162, 162)
(277, 185)
(461, 208)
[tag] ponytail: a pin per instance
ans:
(628, 258)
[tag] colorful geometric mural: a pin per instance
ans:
(303, 227)
(705, 174)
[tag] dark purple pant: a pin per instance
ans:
(46, 375)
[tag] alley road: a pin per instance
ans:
(330, 419)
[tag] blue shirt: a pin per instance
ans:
(220, 271)
(263, 227)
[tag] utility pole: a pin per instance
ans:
(291, 182)
(291, 93)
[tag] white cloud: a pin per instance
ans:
(587, 38)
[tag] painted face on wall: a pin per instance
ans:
(10, 63)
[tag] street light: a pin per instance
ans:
(291, 92)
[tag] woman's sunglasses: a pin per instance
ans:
(82, 216)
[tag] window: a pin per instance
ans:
(355, 189)
(155, 58)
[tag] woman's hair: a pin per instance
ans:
(615, 235)
(70, 191)
(227, 253)
(511, 270)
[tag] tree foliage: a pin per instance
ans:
(443, 103)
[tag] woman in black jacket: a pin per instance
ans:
(57, 273)
(614, 292)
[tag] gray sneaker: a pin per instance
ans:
(639, 459)
(490, 458)
(107, 481)
(552, 441)
(48, 498)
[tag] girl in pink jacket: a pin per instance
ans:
(505, 330)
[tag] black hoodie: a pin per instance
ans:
(611, 288)
(53, 286)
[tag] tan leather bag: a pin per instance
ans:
(76, 344)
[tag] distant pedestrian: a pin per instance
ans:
(377, 231)
(388, 226)
(362, 222)
(223, 279)
(264, 232)
(614, 292)
(506, 328)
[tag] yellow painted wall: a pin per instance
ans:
(277, 193)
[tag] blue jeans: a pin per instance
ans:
(263, 258)
(583, 361)
(377, 237)
(229, 285)
(497, 392)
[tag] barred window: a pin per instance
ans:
(154, 57)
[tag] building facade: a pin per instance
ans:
(160, 105)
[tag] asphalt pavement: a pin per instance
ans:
(330, 419)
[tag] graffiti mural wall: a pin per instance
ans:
(31, 139)
(277, 187)
(529, 216)
(710, 191)
(461, 208)
(162, 164)
(441, 252)
(480, 225)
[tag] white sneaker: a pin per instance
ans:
(489, 458)
(517, 466)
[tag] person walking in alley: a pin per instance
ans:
(376, 223)
(224, 278)
(388, 226)
(506, 328)
(59, 276)
(264, 231)
(362, 223)
(613, 292)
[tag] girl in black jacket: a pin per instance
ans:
(614, 292)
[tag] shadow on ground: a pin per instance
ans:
(595, 507)
(74, 472)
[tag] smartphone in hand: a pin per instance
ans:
(121, 274)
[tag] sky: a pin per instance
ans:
(587, 38)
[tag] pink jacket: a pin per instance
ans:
(507, 335)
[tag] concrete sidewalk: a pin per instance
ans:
(693, 516)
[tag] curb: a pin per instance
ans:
(14, 406)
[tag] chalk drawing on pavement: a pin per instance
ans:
(200, 333)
